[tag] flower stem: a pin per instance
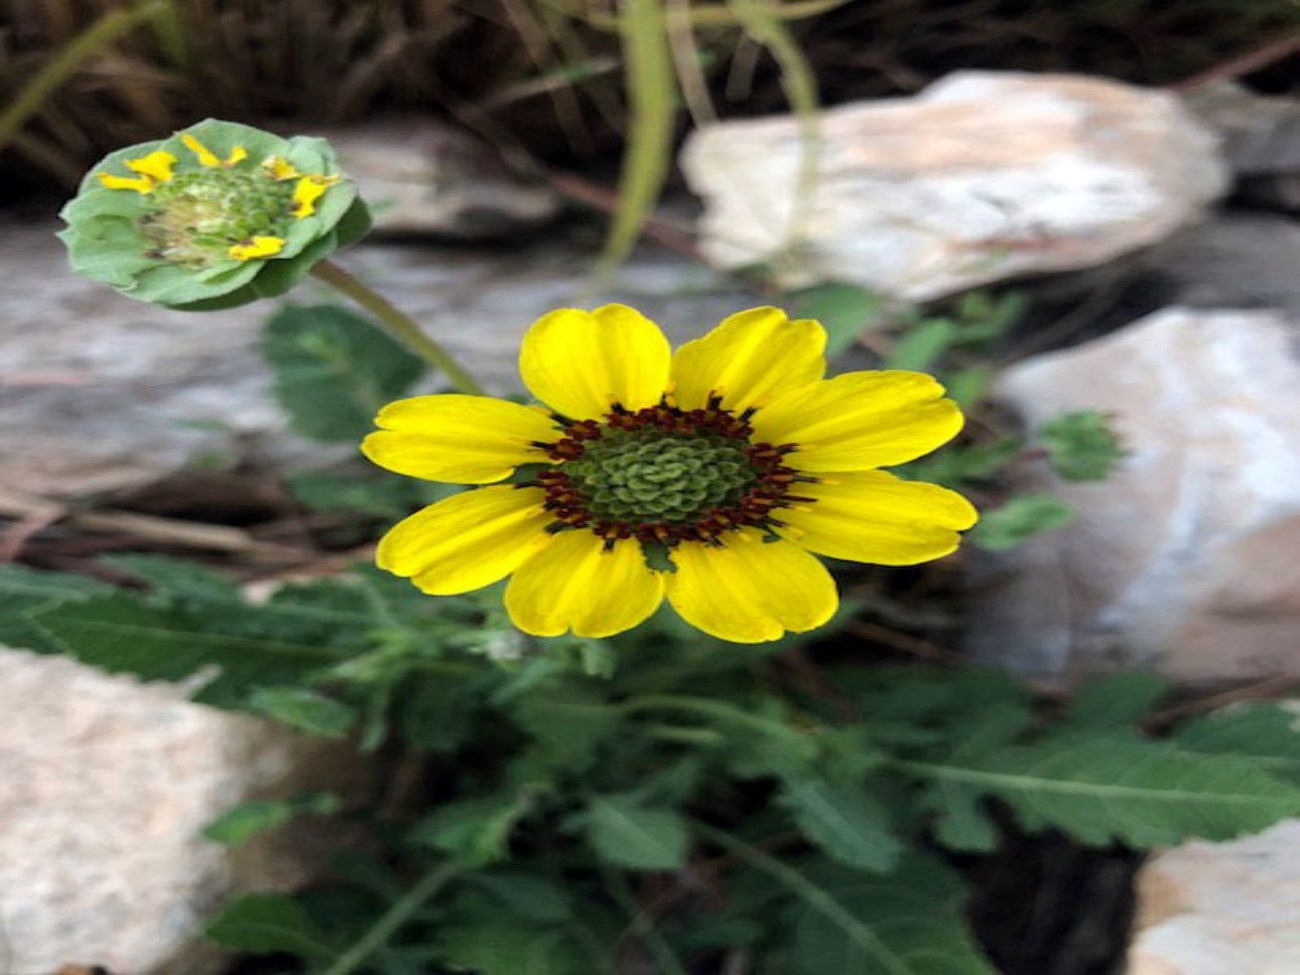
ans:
(398, 324)
(394, 918)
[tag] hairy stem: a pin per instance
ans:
(398, 324)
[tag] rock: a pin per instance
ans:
(982, 177)
(100, 393)
(1235, 259)
(1261, 140)
(427, 179)
(106, 785)
(1221, 909)
(1183, 561)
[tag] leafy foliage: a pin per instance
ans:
(1081, 445)
(1019, 520)
(334, 370)
(559, 779)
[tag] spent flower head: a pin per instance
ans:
(218, 215)
(712, 477)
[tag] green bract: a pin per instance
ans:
(216, 216)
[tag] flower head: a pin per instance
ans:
(216, 216)
(709, 477)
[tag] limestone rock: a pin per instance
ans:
(1184, 560)
(1221, 909)
(982, 177)
(1260, 133)
(424, 178)
(100, 393)
(104, 786)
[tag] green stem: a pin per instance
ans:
(398, 324)
(815, 897)
(63, 65)
(712, 708)
(641, 924)
(394, 918)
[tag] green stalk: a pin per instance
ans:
(398, 324)
(63, 65)
(393, 919)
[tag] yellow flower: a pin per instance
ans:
(709, 476)
(209, 158)
(154, 169)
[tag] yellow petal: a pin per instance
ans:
(462, 439)
(156, 166)
(575, 584)
(860, 420)
(580, 363)
(141, 184)
(256, 247)
(872, 516)
(748, 590)
(205, 155)
(307, 192)
(749, 359)
(467, 541)
(279, 168)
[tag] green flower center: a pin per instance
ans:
(198, 215)
(652, 475)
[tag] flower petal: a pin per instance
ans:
(141, 184)
(575, 584)
(748, 590)
(256, 247)
(860, 420)
(156, 166)
(205, 156)
(279, 168)
(308, 190)
(580, 363)
(872, 516)
(467, 541)
(462, 439)
(749, 359)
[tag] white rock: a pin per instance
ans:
(1221, 909)
(981, 177)
(424, 178)
(99, 392)
(104, 786)
(1185, 559)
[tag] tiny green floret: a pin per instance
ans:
(216, 216)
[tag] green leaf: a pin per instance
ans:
(305, 710)
(628, 834)
(26, 592)
(120, 635)
(1116, 702)
(844, 309)
(1081, 445)
(958, 466)
(474, 831)
(960, 821)
(1102, 789)
(1019, 520)
(908, 922)
(267, 923)
(334, 370)
(177, 580)
(1268, 734)
(922, 344)
(244, 821)
(571, 721)
(843, 820)
(507, 945)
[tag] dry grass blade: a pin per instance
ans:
(93, 40)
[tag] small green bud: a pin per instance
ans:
(216, 216)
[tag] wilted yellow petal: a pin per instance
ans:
(157, 166)
(141, 184)
(279, 168)
(256, 247)
(307, 192)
